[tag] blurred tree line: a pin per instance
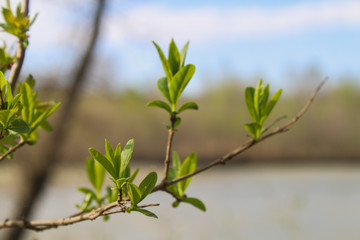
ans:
(329, 132)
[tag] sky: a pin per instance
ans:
(279, 41)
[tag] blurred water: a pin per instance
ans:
(273, 203)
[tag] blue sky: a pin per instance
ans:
(249, 39)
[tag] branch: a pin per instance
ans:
(20, 55)
(12, 149)
(250, 143)
(48, 224)
(168, 152)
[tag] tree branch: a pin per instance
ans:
(12, 149)
(48, 224)
(222, 160)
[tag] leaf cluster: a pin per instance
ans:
(179, 169)
(259, 107)
(21, 115)
(116, 163)
(17, 23)
(171, 86)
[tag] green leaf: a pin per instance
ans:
(86, 202)
(187, 167)
(28, 102)
(160, 104)
(6, 116)
(100, 175)
(145, 212)
(249, 99)
(174, 57)
(19, 126)
(148, 184)
(254, 129)
(179, 82)
(104, 162)
(134, 194)
(120, 182)
(126, 156)
(109, 150)
(117, 160)
(271, 104)
(189, 105)
(175, 187)
(163, 86)
(263, 100)
(257, 94)
(90, 170)
(183, 54)
(195, 202)
(165, 63)
(176, 163)
(43, 117)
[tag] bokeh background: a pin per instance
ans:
(292, 45)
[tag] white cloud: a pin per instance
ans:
(208, 23)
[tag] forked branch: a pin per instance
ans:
(222, 160)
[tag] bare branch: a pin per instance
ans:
(12, 149)
(47, 224)
(168, 152)
(222, 160)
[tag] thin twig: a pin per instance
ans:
(20, 54)
(222, 160)
(168, 152)
(47, 224)
(12, 149)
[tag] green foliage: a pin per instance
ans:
(6, 60)
(177, 76)
(116, 163)
(179, 169)
(259, 107)
(21, 115)
(17, 24)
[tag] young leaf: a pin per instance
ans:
(109, 150)
(126, 156)
(165, 63)
(176, 163)
(19, 126)
(145, 212)
(148, 184)
(189, 105)
(163, 87)
(269, 107)
(104, 162)
(183, 54)
(179, 82)
(249, 99)
(43, 117)
(134, 194)
(177, 122)
(195, 202)
(117, 161)
(99, 171)
(90, 170)
(174, 57)
(187, 167)
(258, 92)
(160, 104)
(28, 102)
